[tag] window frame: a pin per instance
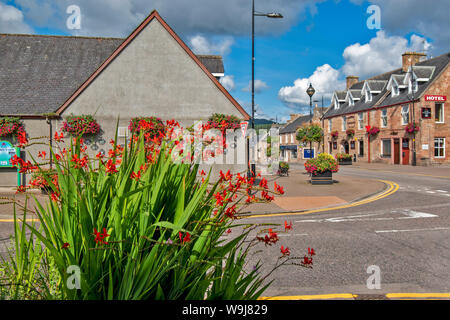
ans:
(360, 120)
(403, 113)
(443, 148)
(442, 112)
(383, 117)
(344, 123)
(382, 148)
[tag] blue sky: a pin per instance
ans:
(318, 41)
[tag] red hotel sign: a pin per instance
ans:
(436, 98)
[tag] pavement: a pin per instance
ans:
(300, 195)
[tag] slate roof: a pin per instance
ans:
(292, 127)
(429, 69)
(213, 63)
(39, 73)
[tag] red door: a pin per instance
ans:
(405, 152)
(396, 151)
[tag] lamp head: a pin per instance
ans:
(310, 91)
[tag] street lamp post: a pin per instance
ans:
(310, 91)
(256, 14)
(414, 159)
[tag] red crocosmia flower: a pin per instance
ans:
(42, 154)
(136, 176)
(99, 155)
(263, 183)
(186, 238)
(65, 245)
(21, 189)
(311, 251)
(22, 138)
(285, 251)
(203, 173)
(307, 261)
(287, 226)
(54, 197)
(228, 231)
(100, 237)
(110, 167)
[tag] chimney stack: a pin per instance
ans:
(351, 80)
(411, 58)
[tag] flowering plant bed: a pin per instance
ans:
(321, 167)
(344, 158)
(81, 125)
(223, 122)
(283, 169)
(138, 224)
(412, 128)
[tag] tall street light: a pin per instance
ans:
(310, 91)
(256, 14)
(412, 82)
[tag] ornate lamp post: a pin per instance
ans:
(310, 91)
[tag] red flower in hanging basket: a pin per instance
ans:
(372, 131)
(350, 132)
(335, 134)
(412, 128)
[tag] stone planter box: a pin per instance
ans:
(322, 178)
(345, 162)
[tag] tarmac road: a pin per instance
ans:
(406, 235)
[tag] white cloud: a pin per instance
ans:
(428, 18)
(383, 53)
(117, 18)
(12, 20)
(325, 81)
(201, 45)
(260, 86)
(228, 82)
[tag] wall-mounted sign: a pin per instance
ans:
(426, 113)
(308, 153)
(424, 147)
(435, 98)
(7, 151)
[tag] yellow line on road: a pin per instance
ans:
(418, 295)
(313, 297)
(393, 188)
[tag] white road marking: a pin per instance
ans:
(410, 214)
(293, 235)
(394, 231)
(443, 191)
(415, 214)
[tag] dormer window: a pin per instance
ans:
(395, 90)
(368, 95)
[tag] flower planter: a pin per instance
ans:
(345, 162)
(322, 178)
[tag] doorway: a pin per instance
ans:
(396, 151)
(405, 152)
(346, 147)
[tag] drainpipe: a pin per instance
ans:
(50, 142)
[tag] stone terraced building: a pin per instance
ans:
(415, 93)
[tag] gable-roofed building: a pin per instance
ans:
(390, 103)
(152, 72)
(291, 150)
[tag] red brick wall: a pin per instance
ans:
(429, 130)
